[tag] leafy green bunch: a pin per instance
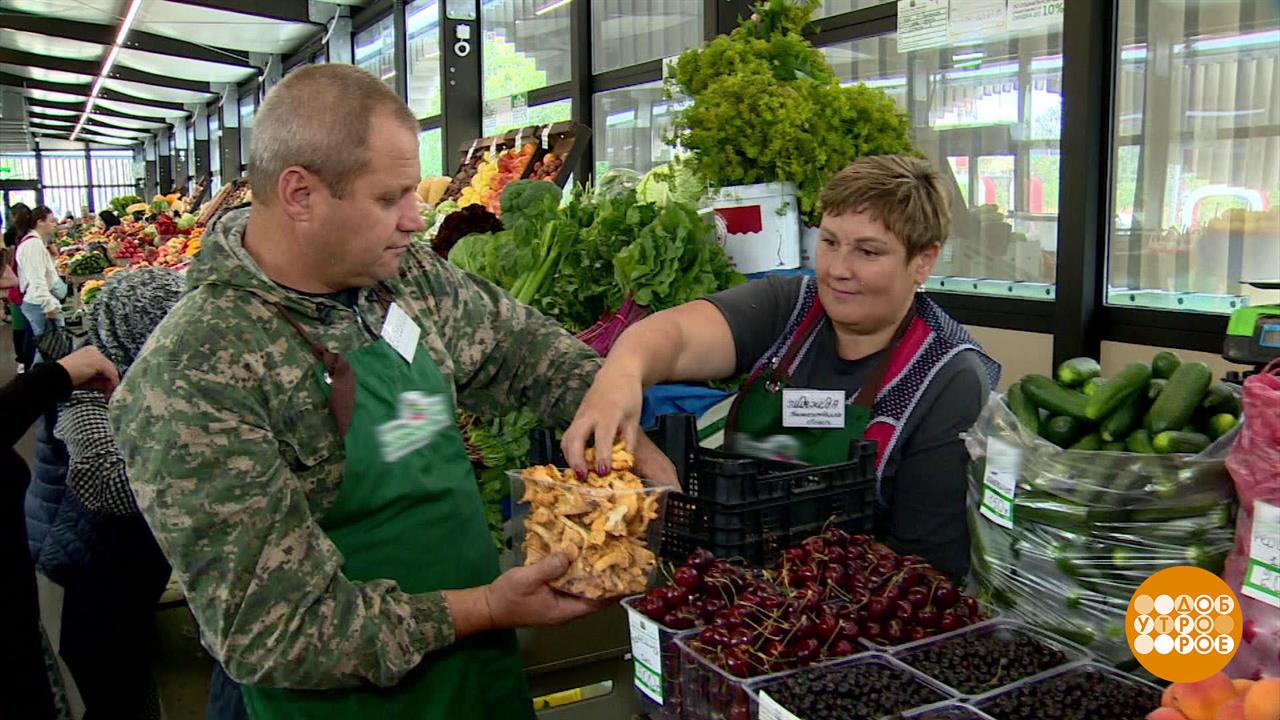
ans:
(768, 108)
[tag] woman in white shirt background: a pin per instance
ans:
(42, 289)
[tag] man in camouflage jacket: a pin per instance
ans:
(233, 452)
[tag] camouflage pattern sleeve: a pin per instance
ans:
(507, 355)
(263, 580)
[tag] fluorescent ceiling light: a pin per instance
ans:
(130, 15)
(553, 6)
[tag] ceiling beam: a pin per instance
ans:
(78, 107)
(86, 67)
(105, 35)
(84, 89)
(288, 10)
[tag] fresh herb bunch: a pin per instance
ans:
(768, 108)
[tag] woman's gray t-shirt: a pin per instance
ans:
(924, 486)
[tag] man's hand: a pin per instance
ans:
(50, 314)
(611, 408)
(522, 597)
(90, 369)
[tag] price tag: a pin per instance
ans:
(546, 137)
(771, 710)
(493, 149)
(1262, 576)
(519, 139)
(471, 151)
(646, 651)
(401, 332)
(1000, 483)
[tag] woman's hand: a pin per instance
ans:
(90, 369)
(611, 409)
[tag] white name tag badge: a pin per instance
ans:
(401, 332)
(813, 408)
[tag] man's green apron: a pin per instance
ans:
(756, 426)
(417, 519)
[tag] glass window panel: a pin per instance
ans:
(987, 114)
(1196, 199)
(375, 50)
(552, 112)
(836, 7)
(630, 32)
(102, 196)
(422, 28)
(431, 152)
(18, 166)
(63, 168)
(630, 125)
(215, 146)
(526, 45)
(65, 200)
(248, 108)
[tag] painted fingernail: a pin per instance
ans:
(580, 472)
(602, 469)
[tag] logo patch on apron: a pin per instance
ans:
(421, 418)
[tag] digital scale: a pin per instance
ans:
(1253, 332)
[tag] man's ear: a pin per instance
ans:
(295, 191)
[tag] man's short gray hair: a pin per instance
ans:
(318, 118)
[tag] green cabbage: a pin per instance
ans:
(670, 183)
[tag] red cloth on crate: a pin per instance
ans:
(742, 220)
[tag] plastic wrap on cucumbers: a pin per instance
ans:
(1083, 528)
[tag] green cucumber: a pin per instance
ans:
(1139, 441)
(1221, 398)
(1026, 412)
(1116, 446)
(1115, 391)
(1051, 396)
(1077, 371)
(1221, 424)
(1179, 399)
(1155, 387)
(1092, 385)
(1092, 441)
(1120, 423)
(1173, 441)
(1062, 430)
(1164, 364)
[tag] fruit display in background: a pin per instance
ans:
(86, 263)
(548, 168)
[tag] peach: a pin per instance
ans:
(1263, 700)
(1200, 700)
(1232, 710)
(1242, 685)
(1165, 713)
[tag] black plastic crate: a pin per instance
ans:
(730, 524)
(759, 550)
(729, 478)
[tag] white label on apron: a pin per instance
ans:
(771, 710)
(1262, 576)
(401, 332)
(646, 651)
(1004, 464)
(813, 408)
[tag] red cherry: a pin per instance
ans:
(860, 540)
(849, 630)
(815, 546)
(918, 596)
(687, 578)
(650, 607)
(794, 557)
(805, 574)
(878, 608)
(700, 559)
(917, 633)
(895, 632)
(678, 620)
(945, 596)
(741, 637)
(834, 536)
(806, 651)
(737, 666)
(971, 603)
(927, 617)
(834, 576)
(873, 630)
(836, 553)
(949, 622)
(904, 610)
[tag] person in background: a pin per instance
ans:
(37, 275)
(86, 216)
(860, 335)
(26, 690)
(23, 346)
(87, 534)
(107, 220)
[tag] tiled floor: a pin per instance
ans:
(182, 666)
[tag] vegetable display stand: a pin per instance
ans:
(557, 148)
(1061, 538)
(763, 223)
